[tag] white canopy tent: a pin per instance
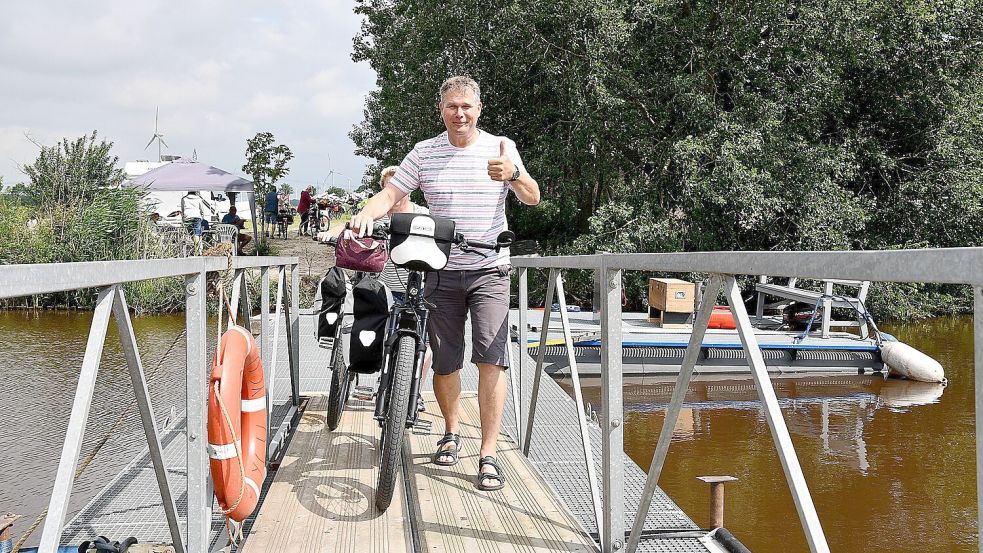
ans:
(182, 175)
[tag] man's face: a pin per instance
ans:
(460, 111)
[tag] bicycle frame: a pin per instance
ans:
(408, 319)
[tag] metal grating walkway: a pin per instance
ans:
(556, 451)
(130, 504)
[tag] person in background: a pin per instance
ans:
(303, 206)
(394, 277)
(231, 218)
(196, 211)
(271, 210)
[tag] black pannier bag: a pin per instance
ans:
(331, 295)
(420, 242)
(371, 308)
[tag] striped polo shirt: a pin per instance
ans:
(456, 184)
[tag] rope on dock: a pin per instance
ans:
(102, 441)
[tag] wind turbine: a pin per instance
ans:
(157, 136)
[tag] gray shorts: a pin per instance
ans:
(484, 293)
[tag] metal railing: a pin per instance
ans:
(948, 266)
(107, 277)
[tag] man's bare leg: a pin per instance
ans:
(447, 388)
(491, 403)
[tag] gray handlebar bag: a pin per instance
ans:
(372, 303)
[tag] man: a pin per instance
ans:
(271, 209)
(231, 218)
(196, 211)
(303, 206)
(465, 174)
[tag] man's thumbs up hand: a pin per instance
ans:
(501, 168)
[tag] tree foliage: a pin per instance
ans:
(72, 172)
(675, 125)
(266, 163)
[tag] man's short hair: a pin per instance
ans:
(460, 84)
(387, 172)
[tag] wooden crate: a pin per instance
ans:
(672, 295)
(670, 319)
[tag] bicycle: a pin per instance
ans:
(341, 378)
(311, 225)
(427, 241)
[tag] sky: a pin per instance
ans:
(219, 72)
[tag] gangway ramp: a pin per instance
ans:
(322, 498)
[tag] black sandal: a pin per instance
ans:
(498, 476)
(441, 455)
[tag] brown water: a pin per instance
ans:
(890, 464)
(40, 357)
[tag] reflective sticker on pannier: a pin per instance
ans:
(366, 337)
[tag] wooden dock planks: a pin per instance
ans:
(453, 516)
(322, 498)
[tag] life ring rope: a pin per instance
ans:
(238, 447)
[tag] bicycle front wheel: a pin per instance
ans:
(341, 381)
(393, 429)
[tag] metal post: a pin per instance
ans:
(125, 327)
(65, 477)
(293, 334)
(716, 498)
(236, 297)
(281, 283)
(578, 398)
(540, 359)
(612, 411)
(672, 411)
(978, 349)
(244, 306)
(779, 431)
(264, 322)
(827, 308)
(199, 486)
(523, 349)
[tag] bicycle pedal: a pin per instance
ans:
(363, 393)
(422, 426)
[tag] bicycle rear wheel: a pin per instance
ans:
(341, 383)
(394, 427)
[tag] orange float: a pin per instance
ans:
(237, 419)
(722, 318)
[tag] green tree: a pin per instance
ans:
(266, 163)
(286, 189)
(72, 173)
(671, 125)
(336, 191)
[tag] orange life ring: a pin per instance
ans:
(237, 424)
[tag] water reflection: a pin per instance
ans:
(836, 409)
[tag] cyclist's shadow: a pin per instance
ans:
(337, 481)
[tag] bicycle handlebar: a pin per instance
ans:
(380, 231)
